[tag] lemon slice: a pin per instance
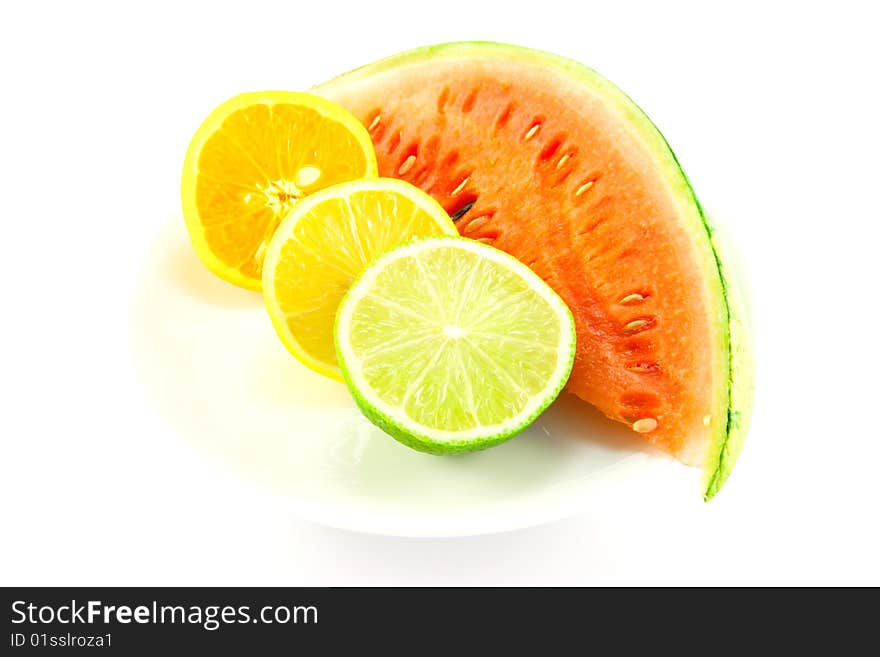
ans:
(252, 160)
(450, 345)
(324, 244)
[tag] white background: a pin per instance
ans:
(772, 108)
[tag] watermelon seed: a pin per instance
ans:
(408, 164)
(584, 187)
(486, 240)
(593, 226)
(640, 324)
(638, 400)
(563, 175)
(421, 176)
(450, 159)
(463, 210)
(550, 149)
(631, 299)
(562, 161)
(468, 104)
(637, 347)
(375, 122)
(478, 222)
(645, 425)
(395, 142)
(461, 185)
(706, 420)
(531, 131)
(643, 368)
(442, 99)
(504, 117)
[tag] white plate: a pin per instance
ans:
(214, 368)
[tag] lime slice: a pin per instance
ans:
(450, 345)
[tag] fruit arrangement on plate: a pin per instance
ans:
(461, 232)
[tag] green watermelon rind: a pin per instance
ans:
(723, 454)
(726, 445)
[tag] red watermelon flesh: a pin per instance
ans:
(543, 158)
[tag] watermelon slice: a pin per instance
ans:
(545, 159)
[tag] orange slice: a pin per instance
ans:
(251, 161)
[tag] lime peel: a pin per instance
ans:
(503, 361)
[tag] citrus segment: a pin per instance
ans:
(450, 345)
(324, 244)
(251, 161)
